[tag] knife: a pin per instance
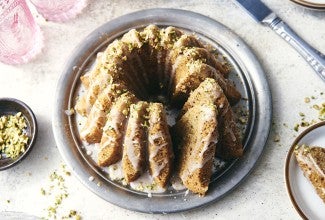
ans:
(262, 14)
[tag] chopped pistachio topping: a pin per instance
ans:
(276, 138)
(322, 112)
(43, 192)
(316, 107)
(145, 124)
(307, 100)
(125, 112)
(243, 120)
(304, 124)
(296, 127)
(306, 149)
(13, 139)
(152, 186)
(72, 215)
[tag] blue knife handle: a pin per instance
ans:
(315, 58)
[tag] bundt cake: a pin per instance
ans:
(311, 160)
(124, 114)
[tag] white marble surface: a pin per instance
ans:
(261, 195)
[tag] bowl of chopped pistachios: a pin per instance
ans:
(18, 131)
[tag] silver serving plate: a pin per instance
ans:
(247, 74)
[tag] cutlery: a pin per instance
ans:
(262, 14)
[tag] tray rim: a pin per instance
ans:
(241, 50)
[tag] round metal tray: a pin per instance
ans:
(246, 73)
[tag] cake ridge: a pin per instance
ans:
(160, 152)
(114, 129)
(134, 145)
(209, 92)
(197, 146)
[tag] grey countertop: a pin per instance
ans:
(262, 194)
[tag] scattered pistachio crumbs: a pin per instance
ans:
(320, 108)
(13, 140)
(276, 138)
(314, 103)
(307, 100)
(58, 191)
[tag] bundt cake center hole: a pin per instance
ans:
(171, 110)
(161, 98)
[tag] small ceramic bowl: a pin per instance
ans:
(10, 106)
(301, 192)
